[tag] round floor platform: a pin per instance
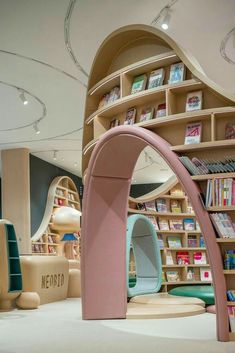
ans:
(166, 299)
(147, 311)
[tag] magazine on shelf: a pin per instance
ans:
(156, 78)
(231, 295)
(189, 224)
(174, 242)
(229, 131)
(130, 116)
(172, 276)
(161, 110)
(192, 241)
(177, 73)
(182, 257)
(205, 274)
(163, 224)
(176, 224)
(169, 258)
(150, 206)
(223, 224)
(153, 221)
(161, 205)
(114, 122)
(160, 241)
(175, 206)
(231, 315)
(146, 114)
(202, 242)
(139, 83)
(190, 274)
(193, 101)
(199, 258)
(141, 206)
(193, 133)
(114, 94)
(229, 259)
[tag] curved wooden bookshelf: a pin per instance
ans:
(190, 239)
(138, 49)
(46, 241)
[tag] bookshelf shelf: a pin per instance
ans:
(225, 240)
(204, 146)
(221, 208)
(213, 176)
(229, 272)
(175, 195)
(46, 241)
(231, 303)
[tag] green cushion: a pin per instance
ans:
(205, 293)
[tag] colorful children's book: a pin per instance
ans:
(139, 83)
(193, 133)
(189, 224)
(192, 241)
(175, 206)
(150, 206)
(163, 224)
(161, 205)
(161, 110)
(172, 276)
(194, 101)
(174, 242)
(176, 224)
(156, 78)
(177, 73)
(182, 257)
(146, 114)
(199, 258)
(130, 116)
(205, 274)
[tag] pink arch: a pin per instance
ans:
(105, 205)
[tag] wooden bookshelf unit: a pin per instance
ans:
(46, 241)
(137, 50)
(192, 242)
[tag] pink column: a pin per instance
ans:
(104, 223)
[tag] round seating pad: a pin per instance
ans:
(165, 299)
(143, 311)
(205, 293)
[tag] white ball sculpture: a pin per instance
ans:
(67, 221)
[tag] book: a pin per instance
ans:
(231, 295)
(160, 241)
(141, 206)
(193, 101)
(104, 100)
(161, 110)
(114, 94)
(229, 131)
(177, 73)
(130, 116)
(169, 258)
(150, 206)
(223, 224)
(189, 224)
(193, 133)
(146, 114)
(156, 78)
(229, 259)
(202, 242)
(192, 241)
(163, 276)
(114, 122)
(199, 258)
(161, 205)
(175, 206)
(205, 274)
(163, 224)
(182, 257)
(139, 83)
(174, 242)
(153, 221)
(231, 315)
(172, 276)
(176, 224)
(177, 191)
(190, 274)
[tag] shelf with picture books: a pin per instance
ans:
(181, 243)
(46, 241)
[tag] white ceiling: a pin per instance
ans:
(34, 29)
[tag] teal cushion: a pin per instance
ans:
(205, 293)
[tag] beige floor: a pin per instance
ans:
(58, 328)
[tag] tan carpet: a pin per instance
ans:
(58, 328)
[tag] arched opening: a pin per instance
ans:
(104, 223)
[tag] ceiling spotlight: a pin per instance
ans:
(166, 19)
(75, 164)
(36, 128)
(55, 155)
(22, 97)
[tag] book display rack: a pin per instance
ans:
(197, 119)
(46, 241)
(182, 247)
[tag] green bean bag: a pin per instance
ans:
(205, 293)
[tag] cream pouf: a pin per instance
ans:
(28, 300)
(74, 286)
